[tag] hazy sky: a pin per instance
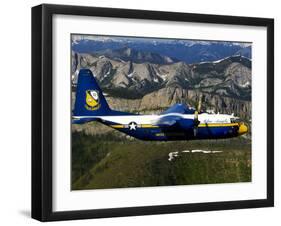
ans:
(101, 38)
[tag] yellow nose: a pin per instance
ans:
(242, 129)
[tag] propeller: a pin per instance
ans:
(196, 120)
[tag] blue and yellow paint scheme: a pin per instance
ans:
(177, 123)
(165, 133)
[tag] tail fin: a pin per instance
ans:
(89, 98)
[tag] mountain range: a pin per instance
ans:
(225, 83)
(136, 56)
(229, 77)
(187, 51)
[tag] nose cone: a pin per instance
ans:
(242, 129)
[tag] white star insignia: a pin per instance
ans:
(132, 126)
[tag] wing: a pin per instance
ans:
(180, 109)
(169, 120)
(175, 121)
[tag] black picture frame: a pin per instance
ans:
(42, 111)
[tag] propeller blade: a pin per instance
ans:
(199, 103)
(195, 131)
(196, 120)
(196, 116)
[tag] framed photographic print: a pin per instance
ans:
(147, 112)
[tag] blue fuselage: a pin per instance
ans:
(166, 133)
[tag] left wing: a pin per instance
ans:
(179, 108)
(169, 120)
(172, 117)
(175, 121)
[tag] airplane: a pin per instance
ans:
(178, 122)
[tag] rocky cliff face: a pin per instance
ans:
(151, 88)
(162, 99)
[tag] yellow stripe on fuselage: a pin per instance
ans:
(217, 124)
(148, 126)
(120, 126)
(117, 126)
